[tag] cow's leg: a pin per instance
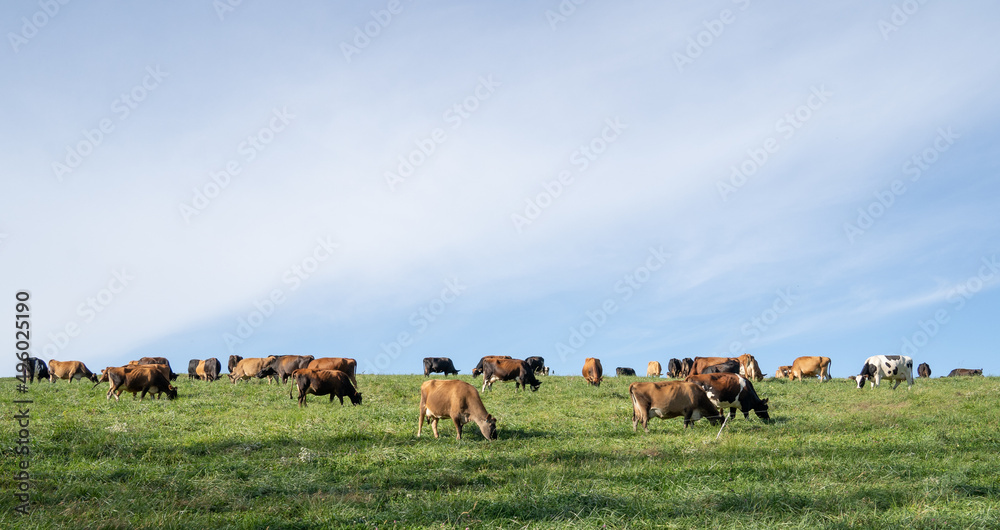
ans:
(898, 381)
(687, 418)
(302, 396)
(732, 413)
(143, 396)
(458, 428)
(420, 419)
(434, 426)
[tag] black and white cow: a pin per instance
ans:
(536, 363)
(897, 368)
(729, 390)
(35, 367)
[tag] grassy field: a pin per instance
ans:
(246, 456)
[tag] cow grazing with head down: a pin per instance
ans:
(324, 382)
(621, 370)
(344, 364)
(810, 366)
(509, 370)
(536, 363)
(158, 360)
(439, 365)
(730, 390)
(961, 372)
(592, 371)
(479, 367)
(149, 378)
(674, 368)
(35, 367)
(783, 372)
(749, 367)
(686, 364)
(653, 369)
(69, 370)
(924, 370)
(281, 367)
(249, 367)
(732, 366)
(458, 400)
(700, 363)
(897, 368)
(670, 399)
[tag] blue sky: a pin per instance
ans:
(631, 181)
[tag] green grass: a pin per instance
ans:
(246, 456)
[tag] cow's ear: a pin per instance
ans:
(765, 400)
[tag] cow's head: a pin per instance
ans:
(535, 384)
(94, 378)
(761, 411)
(355, 398)
(171, 392)
(861, 380)
(476, 372)
(489, 428)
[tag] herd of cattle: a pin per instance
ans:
(701, 387)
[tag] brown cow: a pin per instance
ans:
(323, 382)
(509, 370)
(653, 369)
(479, 367)
(344, 364)
(283, 366)
(142, 378)
(961, 372)
(811, 366)
(592, 371)
(669, 399)
(686, 364)
(700, 363)
(204, 370)
(749, 367)
(247, 368)
(458, 400)
(69, 370)
(784, 372)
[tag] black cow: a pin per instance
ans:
(624, 371)
(438, 365)
(674, 368)
(924, 370)
(193, 368)
(731, 366)
(536, 363)
(36, 367)
(965, 371)
(686, 364)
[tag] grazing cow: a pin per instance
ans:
(669, 399)
(924, 370)
(731, 366)
(149, 379)
(322, 382)
(891, 367)
(620, 371)
(686, 364)
(545, 370)
(674, 368)
(193, 368)
(749, 367)
(249, 367)
(957, 372)
(732, 390)
(592, 371)
(35, 367)
(653, 369)
(69, 370)
(344, 364)
(783, 372)
(509, 370)
(536, 363)
(458, 400)
(811, 366)
(700, 363)
(283, 366)
(159, 360)
(479, 367)
(439, 364)
(210, 369)
(233, 361)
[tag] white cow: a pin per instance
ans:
(892, 367)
